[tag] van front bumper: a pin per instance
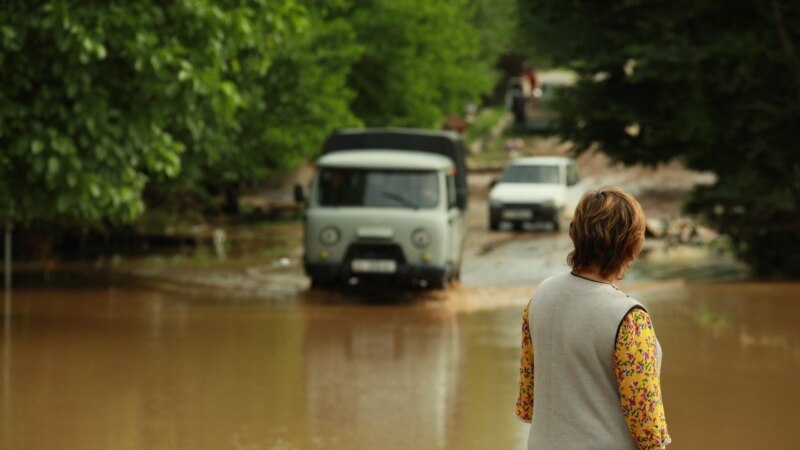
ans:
(523, 212)
(410, 274)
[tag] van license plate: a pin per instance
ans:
(374, 266)
(517, 214)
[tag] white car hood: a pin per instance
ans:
(527, 193)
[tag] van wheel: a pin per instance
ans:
(439, 284)
(556, 225)
(494, 226)
(442, 282)
(317, 283)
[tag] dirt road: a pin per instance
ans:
(266, 262)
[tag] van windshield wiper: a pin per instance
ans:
(400, 199)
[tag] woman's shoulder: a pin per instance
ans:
(624, 303)
(556, 280)
(631, 303)
(553, 285)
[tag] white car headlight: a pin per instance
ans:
(329, 235)
(495, 203)
(421, 238)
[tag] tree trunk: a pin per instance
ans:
(9, 227)
(231, 206)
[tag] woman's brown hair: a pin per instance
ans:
(607, 232)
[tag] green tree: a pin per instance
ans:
(715, 84)
(422, 61)
(100, 98)
(496, 23)
(379, 63)
(283, 117)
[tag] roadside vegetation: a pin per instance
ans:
(483, 124)
(109, 110)
(660, 81)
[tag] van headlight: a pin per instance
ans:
(494, 203)
(329, 235)
(421, 238)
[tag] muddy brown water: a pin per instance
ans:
(132, 368)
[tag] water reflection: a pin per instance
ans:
(6, 400)
(373, 373)
(731, 364)
(129, 368)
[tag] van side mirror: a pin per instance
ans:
(299, 194)
(493, 183)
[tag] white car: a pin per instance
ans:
(534, 190)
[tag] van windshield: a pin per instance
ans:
(378, 188)
(531, 174)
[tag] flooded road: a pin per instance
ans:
(131, 368)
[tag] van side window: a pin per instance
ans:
(573, 177)
(451, 192)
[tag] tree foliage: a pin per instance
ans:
(98, 98)
(716, 84)
(284, 115)
(422, 60)
(102, 101)
(496, 25)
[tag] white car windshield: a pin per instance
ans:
(531, 174)
(379, 188)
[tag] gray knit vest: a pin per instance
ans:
(576, 403)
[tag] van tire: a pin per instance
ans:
(557, 220)
(441, 283)
(494, 226)
(317, 283)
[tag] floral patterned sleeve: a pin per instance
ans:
(524, 408)
(636, 367)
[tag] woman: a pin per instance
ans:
(595, 382)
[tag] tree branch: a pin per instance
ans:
(788, 48)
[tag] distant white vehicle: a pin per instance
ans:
(534, 190)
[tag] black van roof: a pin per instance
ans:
(394, 138)
(446, 143)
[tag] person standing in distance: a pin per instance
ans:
(590, 362)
